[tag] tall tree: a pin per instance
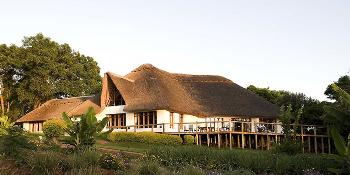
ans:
(42, 69)
(312, 109)
(343, 82)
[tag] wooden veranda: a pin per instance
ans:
(231, 134)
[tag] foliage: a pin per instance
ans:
(41, 69)
(336, 115)
(343, 83)
(83, 133)
(312, 109)
(145, 137)
(54, 128)
(189, 139)
(44, 162)
(290, 147)
(289, 144)
(5, 123)
(191, 170)
(240, 171)
(50, 162)
(149, 168)
(14, 141)
(223, 160)
(110, 162)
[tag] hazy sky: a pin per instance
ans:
(300, 46)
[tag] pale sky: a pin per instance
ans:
(299, 46)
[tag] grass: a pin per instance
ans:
(128, 147)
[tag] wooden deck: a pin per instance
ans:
(238, 134)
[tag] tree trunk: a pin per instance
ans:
(2, 105)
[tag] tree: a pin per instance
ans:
(312, 109)
(84, 132)
(41, 69)
(343, 82)
(5, 123)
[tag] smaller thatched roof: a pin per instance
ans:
(75, 106)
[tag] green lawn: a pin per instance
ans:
(129, 147)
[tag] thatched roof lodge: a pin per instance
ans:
(148, 88)
(148, 95)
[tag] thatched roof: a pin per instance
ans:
(75, 106)
(149, 88)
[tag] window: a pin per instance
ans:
(117, 121)
(171, 119)
(114, 98)
(35, 126)
(146, 119)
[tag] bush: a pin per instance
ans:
(84, 158)
(290, 147)
(54, 128)
(110, 162)
(260, 162)
(14, 141)
(188, 139)
(191, 170)
(44, 162)
(240, 171)
(145, 137)
(149, 168)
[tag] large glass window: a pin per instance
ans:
(146, 119)
(35, 126)
(117, 121)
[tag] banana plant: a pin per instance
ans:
(83, 133)
(343, 116)
(5, 123)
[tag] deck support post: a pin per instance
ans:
(219, 140)
(249, 142)
(309, 140)
(302, 137)
(268, 141)
(243, 141)
(208, 140)
(238, 141)
(329, 145)
(315, 140)
(230, 140)
(322, 144)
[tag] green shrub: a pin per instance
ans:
(44, 162)
(87, 171)
(149, 168)
(54, 128)
(291, 147)
(145, 137)
(191, 170)
(110, 162)
(239, 171)
(14, 141)
(84, 158)
(189, 140)
(260, 162)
